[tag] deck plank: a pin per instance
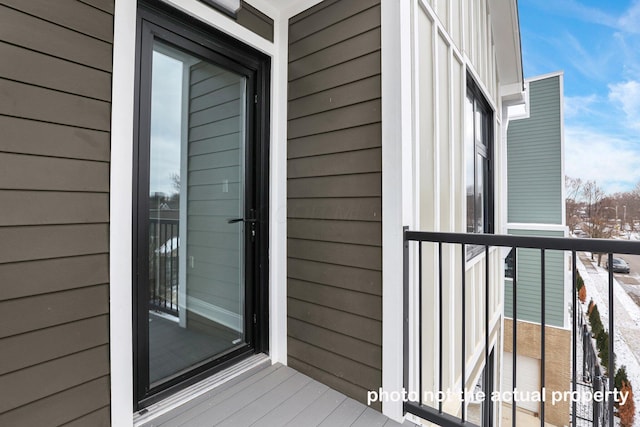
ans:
(370, 418)
(217, 413)
(315, 413)
(272, 397)
(253, 412)
(345, 414)
(293, 406)
(195, 407)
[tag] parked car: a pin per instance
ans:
(618, 266)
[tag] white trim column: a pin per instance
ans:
(278, 196)
(397, 178)
(120, 225)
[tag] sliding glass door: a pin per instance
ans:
(198, 194)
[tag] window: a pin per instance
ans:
(478, 138)
(509, 265)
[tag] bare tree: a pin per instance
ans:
(175, 181)
(628, 205)
(573, 186)
(595, 203)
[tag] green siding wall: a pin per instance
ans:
(529, 285)
(534, 155)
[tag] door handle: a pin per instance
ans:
(234, 220)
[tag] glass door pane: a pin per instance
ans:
(196, 186)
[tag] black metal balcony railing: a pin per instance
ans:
(164, 243)
(591, 378)
(589, 374)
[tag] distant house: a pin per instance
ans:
(226, 184)
(535, 188)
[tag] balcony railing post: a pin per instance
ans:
(597, 386)
(405, 312)
(163, 263)
(611, 368)
(542, 332)
(419, 322)
(514, 323)
(574, 334)
(463, 355)
(440, 314)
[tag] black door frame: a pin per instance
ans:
(156, 20)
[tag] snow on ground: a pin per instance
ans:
(626, 316)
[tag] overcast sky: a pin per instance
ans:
(597, 45)
(166, 113)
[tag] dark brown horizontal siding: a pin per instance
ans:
(357, 279)
(364, 305)
(341, 118)
(42, 242)
(53, 174)
(251, 18)
(346, 323)
(342, 74)
(352, 255)
(37, 34)
(335, 186)
(52, 275)
(352, 162)
(354, 232)
(50, 72)
(350, 209)
(350, 370)
(88, 398)
(53, 207)
(334, 190)
(345, 51)
(326, 15)
(370, 354)
(94, 22)
(358, 138)
(36, 103)
(358, 91)
(46, 379)
(25, 136)
(104, 5)
(335, 34)
(55, 116)
(52, 309)
(32, 348)
(98, 418)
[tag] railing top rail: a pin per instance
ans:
(534, 242)
(165, 220)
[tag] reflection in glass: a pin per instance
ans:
(480, 192)
(469, 167)
(196, 261)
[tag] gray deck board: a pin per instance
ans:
(218, 413)
(262, 406)
(192, 409)
(273, 397)
(370, 418)
(345, 414)
(315, 413)
(288, 410)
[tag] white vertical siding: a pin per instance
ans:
(453, 39)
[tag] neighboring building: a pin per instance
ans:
(229, 179)
(535, 182)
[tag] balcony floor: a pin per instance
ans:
(275, 396)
